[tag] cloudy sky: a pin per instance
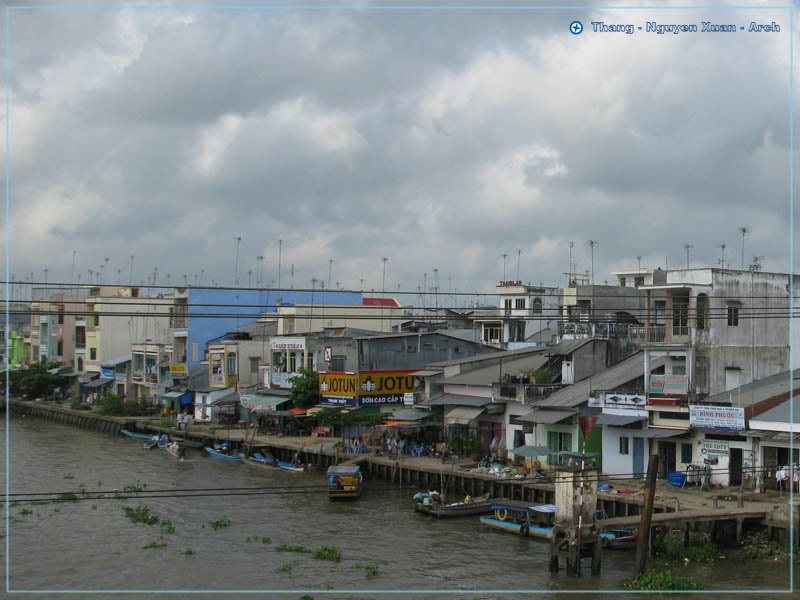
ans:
(438, 139)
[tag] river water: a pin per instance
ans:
(91, 545)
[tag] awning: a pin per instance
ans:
(116, 361)
(661, 433)
(461, 415)
(232, 398)
(298, 412)
(97, 383)
(546, 416)
(619, 420)
(531, 451)
(425, 373)
(173, 394)
(458, 400)
(411, 414)
(259, 402)
(398, 423)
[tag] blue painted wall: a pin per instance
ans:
(240, 307)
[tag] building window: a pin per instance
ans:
(624, 445)
(558, 441)
(337, 363)
(622, 282)
(733, 316)
(60, 348)
(232, 364)
(507, 305)
(254, 364)
(686, 453)
(638, 281)
(536, 306)
(661, 311)
(519, 304)
(92, 353)
(702, 311)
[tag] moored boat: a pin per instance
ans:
(136, 435)
(290, 466)
(257, 459)
(223, 452)
(176, 450)
(527, 521)
(619, 539)
(430, 503)
(345, 481)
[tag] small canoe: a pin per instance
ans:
(214, 453)
(152, 442)
(290, 466)
(176, 450)
(135, 435)
(259, 460)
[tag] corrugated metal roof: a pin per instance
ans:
(661, 433)
(576, 394)
(619, 420)
(458, 400)
(547, 417)
(116, 361)
(756, 391)
(462, 415)
(411, 414)
(492, 374)
(779, 414)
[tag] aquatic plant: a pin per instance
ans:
(328, 553)
(371, 570)
(221, 523)
(26, 511)
(187, 552)
(284, 568)
(154, 545)
(291, 548)
(265, 540)
(67, 497)
(699, 549)
(141, 514)
(167, 526)
(662, 580)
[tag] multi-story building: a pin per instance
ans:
(715, 330)
(527, 315)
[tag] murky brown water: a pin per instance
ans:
(91, 545)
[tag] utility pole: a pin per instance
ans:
(687, 247)
(647, 515)
(722, 258)
(260, 260)
(743, 231)
(591, 246)
(236, 267)
(72, 273)
(569, 270)
(519, 254)
(280, 257)
(639, 261)
(130, 272)
(330, 268)
(504, 266)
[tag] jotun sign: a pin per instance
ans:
(366, 389)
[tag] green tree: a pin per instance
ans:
(304, 392)
(35, 381)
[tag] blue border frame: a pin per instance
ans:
(390, 8)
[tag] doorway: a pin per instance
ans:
(638, 457)
(666, 463)
(735, 466)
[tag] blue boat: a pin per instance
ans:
(222, 453)
(259, 460)
(290, 466)
(527, 521)
(135, 435)
(537, 522)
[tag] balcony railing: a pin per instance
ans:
(525, 393)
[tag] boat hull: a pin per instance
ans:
(219, 455)
(287, 466)
(136, 436)
(535, 531)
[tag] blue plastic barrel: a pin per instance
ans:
(677, 479)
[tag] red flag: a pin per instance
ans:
(585, 424)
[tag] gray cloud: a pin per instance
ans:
(440, 140)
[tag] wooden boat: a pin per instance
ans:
(537, 522)
(176, 450)
(426, 503)
(259, 460)
(527, 521)
(188, 443)
(619, 539)
(345, 481)
(222, 454)
(152, 442)
(136, 435)
(290, 466)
